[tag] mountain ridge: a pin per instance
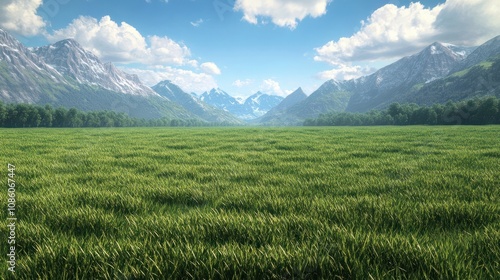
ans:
(192, 104)
(71, 59)
(402, 81)
(64, 74)
(251, 108)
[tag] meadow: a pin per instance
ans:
(254, 203)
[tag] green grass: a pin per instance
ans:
(485, 64)
(255, 203)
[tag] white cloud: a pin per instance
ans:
(346, 72)
(210, 68)
(392, 32)
(271, 86)
(242, 83)
(284, 13)
(197, 23)
(159, 57)
(122, 42)
(468, 22)
(21, 16)
(189, 81)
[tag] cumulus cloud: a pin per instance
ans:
(189, 81)
(155, 58)
(242, 83)
(122, 42)
(284, 13)
(271, 86)
(468, 22)
(346, 72)
(210, 68)
(21, 16)
(392, 31)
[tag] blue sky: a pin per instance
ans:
(244, 46)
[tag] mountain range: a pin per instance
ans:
(192, 104)
(65, 74)
(252, 108)
(438, 74)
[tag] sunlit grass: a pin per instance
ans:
(256, 203)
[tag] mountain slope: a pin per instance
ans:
(27, 78)
(278, 115)
(24, 77)
(482, 79)
(383, 87)
(480, 54)
(222, 100)
(261, 103)
(331, 96)
(71, 60)
(253, 107)
(192, 104)
(403, 81)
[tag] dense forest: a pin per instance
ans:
(471, 112)
(26, 115)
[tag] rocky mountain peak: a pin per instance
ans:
(72, 60)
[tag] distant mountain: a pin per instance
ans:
(279, 115)
(253, 107)
(24, 77)
(384, 86)
(71, 60)
(439, 73)
(331, 96)
(480, 54)
(192, 104)
(221, 99)
(292, 99)
(261, 103)
(482, 79)
(64, 74)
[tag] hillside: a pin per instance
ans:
(438, 74)
(64, 74)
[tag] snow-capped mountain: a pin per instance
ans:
(220, 99)
(192, 104)
(76, 79)
(479, 54)
(261, 103)
(24, 77)
(382, 88)
(418, 78)
(253, 107)
(70, 59)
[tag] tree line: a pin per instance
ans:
(27, 115)
(478, 111)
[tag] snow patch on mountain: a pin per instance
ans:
(69, 58)
(253, 107)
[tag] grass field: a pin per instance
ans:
(254, 203)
